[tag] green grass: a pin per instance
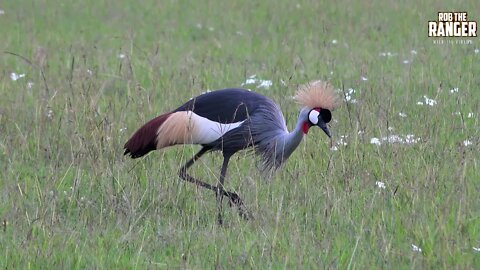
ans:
(71, 200)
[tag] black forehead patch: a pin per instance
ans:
(326, 115)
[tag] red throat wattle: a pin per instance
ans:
(306, 127)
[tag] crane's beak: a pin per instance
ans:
(321, 124)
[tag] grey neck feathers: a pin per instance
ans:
(293, 139)
(278, 144)
(289, 141)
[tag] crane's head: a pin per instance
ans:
(318, 117)
(319, 100)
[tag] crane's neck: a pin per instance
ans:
(291, 140)
(278, 148)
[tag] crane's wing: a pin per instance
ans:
(225, 106)
(223, 119)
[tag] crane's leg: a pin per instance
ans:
(185, 176)
(220, 189)
(234, 198)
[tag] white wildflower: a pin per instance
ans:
(416, 249)
(387, 54)
(334, 41)
(121, 56)
(454, 90)
(364, 78)
(429, 101)
(406, 61)
(50, 114)
(14, 76)
(375, 141)
(380, 184)
(477, 249)
(413, 52)
(250, 80)
(349, 95)
(395, 139)
(260, 83)
(467, 143)
(265, 84)
(401, 114)
(470, 115)
(410, 139)
(340, 142)
(407, 139)
(30, 85)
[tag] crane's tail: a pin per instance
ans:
(145, 139)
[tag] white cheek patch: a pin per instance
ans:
(313, 116)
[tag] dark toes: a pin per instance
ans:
(235, 199)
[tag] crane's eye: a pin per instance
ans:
(313, 116)
(326, 115)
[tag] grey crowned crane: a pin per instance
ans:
(231, 120)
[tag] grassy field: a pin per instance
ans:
(94, 71)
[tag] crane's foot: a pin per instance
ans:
(237, 201)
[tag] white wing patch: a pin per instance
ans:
(207, 131)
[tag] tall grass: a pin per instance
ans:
(95, 71)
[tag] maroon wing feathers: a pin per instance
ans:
(145, 139)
